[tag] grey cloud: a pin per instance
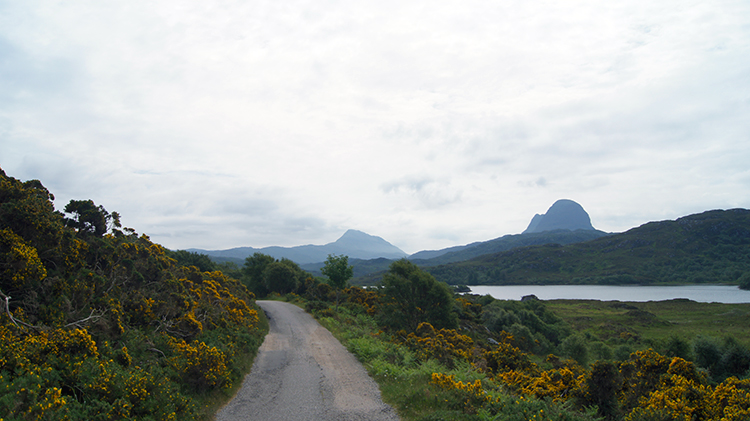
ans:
(428, 192)
(408, 185)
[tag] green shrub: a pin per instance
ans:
(576, 347)
(744, 280)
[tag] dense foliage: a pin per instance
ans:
(264, 275)
(412, 296)
(509, 360)
(97, 322)
(712, 246)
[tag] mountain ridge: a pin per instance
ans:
(712, 246)
(353, 243)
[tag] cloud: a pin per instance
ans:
(215, 125)
(429, 193)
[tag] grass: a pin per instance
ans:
(654, 321)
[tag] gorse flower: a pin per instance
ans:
(105, 325)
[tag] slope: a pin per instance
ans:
(712, 246)
(355, 244)
(368, 271)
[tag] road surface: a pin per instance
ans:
(303, 373)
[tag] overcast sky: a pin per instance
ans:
(218, 124)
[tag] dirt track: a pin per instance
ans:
(303, 373)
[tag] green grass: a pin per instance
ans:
(654, 321)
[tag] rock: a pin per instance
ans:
(564, 214)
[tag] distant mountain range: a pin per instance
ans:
(355, 244)
(710, 247)
(565, 222)
(559, 247)
(372, 269)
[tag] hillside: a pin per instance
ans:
(712, 246)
(565, 222)
(508, 242)
(364, 269)
(98, 322)
(355, 244)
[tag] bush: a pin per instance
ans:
(576, 347)
(413, 296)
(104, 324)
(678, 347)
(708, 355)
(600, 389)
(744, 281)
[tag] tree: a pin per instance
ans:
(413, 296)
(600, 389)
(89, 219)
(263, 274)
(252, 273)
(280, 277)
(338, 271)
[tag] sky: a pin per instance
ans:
(431, 124)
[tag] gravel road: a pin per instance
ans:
(303, 373)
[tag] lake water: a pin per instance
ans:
(700, 293)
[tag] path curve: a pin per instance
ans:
(303, 373)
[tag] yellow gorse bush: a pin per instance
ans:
(201, 364)
(730, 400)
(105, 325)
(557, 384)
(19, 261)
(473, 389)
(444, 345)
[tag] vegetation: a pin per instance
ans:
(264, 275)
(744, 281)
(370, 271)
(557, 360)
(97, 322)
(338, 271)
(508, 242)
(711, 247)
(412, 296)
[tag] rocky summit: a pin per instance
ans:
(564, 214)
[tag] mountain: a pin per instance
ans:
(365, 269)
(562, 215)
(712, 246)
(355, 244)
(564, 223)
(507, 242)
